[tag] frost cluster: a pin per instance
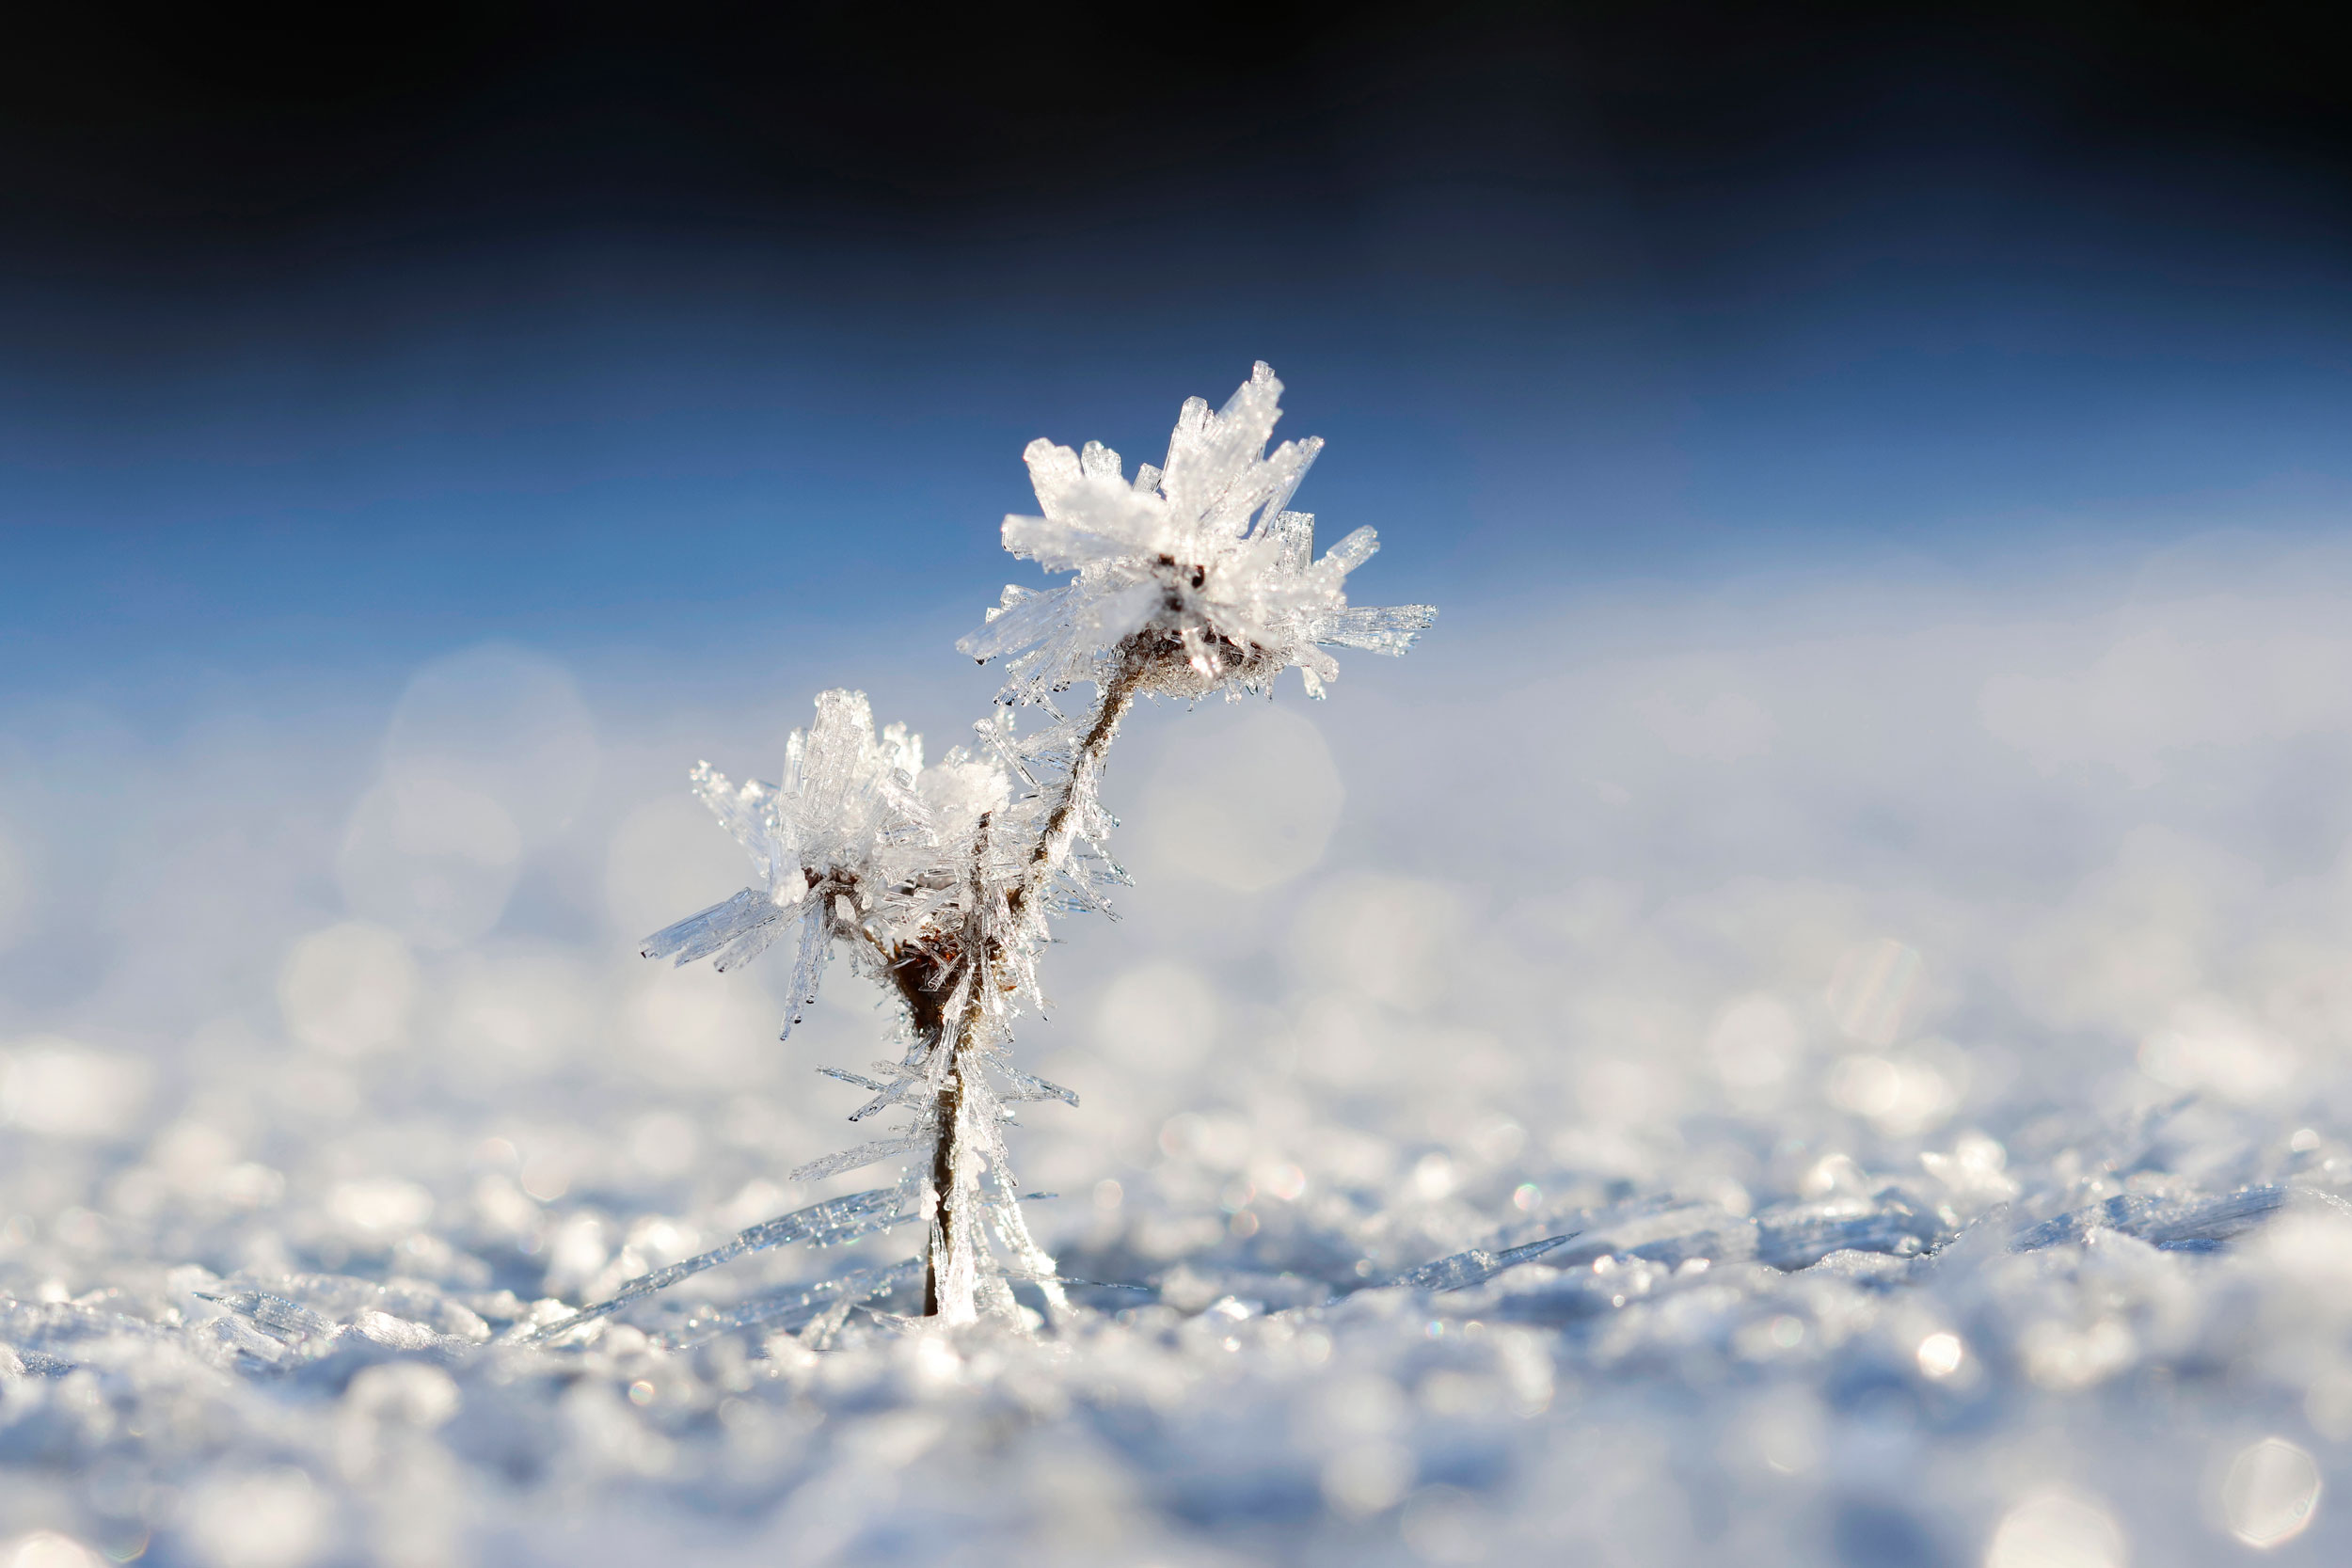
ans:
(1198, 558)
(941, 881)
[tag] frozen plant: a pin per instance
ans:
(1191, 579)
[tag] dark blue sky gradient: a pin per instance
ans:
(1943, 316)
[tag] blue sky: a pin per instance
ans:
(658, 449)
(302, 391)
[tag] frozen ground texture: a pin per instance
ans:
(1925, 1004)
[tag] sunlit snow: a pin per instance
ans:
(1921, 1006)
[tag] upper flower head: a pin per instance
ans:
(858, 840)
(1195, 570)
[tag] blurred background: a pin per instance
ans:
(1879, 455)
(1903, 448)
(1884, 471)
(689, 361)
(1862, 458)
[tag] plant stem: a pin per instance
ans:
(943, 1293)
(1062, 825)
(949, 1273)
(951, 1270)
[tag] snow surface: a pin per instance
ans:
(1922, 1000)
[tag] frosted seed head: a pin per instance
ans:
(1197, 573)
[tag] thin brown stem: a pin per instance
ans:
(1116, 698)
(949, 1221)
(949, 1153)
(943, 1190)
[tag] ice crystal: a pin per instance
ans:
(1475, 1266)
(831, 1224)
(2200, 1223)
(793, 1305)
(859, 842)
(1200, 556)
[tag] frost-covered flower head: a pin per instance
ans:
(1198, 558)
(858, 840)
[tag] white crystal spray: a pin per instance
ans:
(1191, 578)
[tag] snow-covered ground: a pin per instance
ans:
(1923, 998)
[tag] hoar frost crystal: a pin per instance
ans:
(1191, 579)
